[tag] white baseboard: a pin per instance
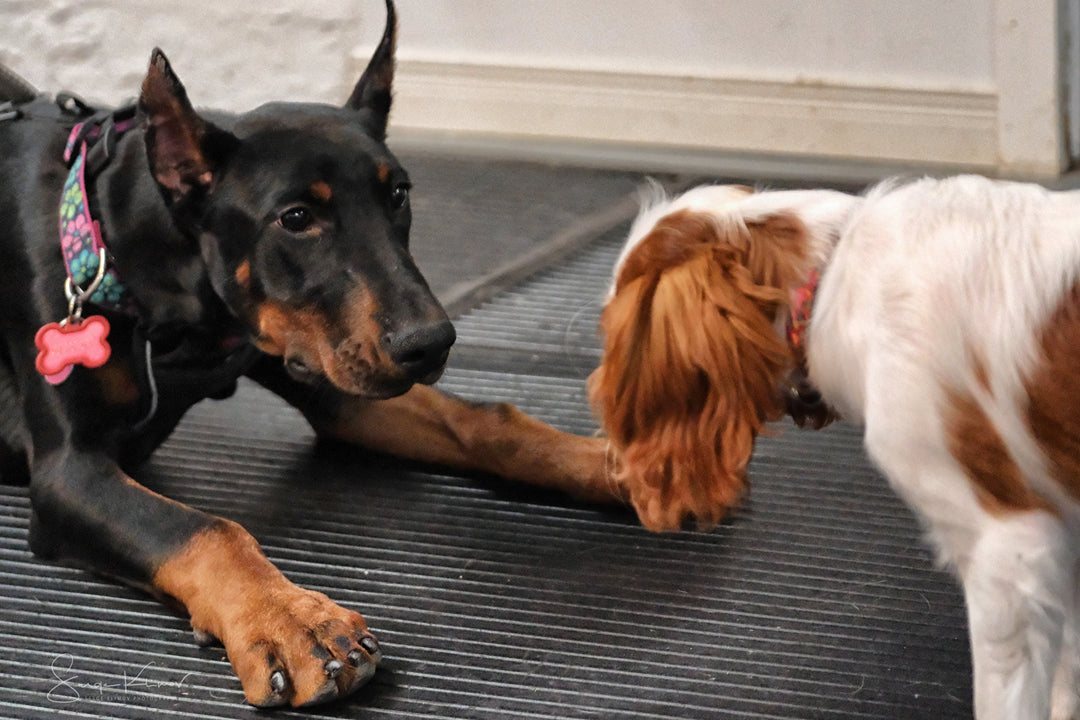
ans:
(919, 127)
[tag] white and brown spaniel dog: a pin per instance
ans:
(946, 320)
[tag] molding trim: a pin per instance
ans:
(924, 127)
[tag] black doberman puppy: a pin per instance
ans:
(272, 244)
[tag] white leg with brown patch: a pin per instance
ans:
(1011, 568)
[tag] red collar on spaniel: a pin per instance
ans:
(947, 321)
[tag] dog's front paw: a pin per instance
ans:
(297, 647)
(288, 645)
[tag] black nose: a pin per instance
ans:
(421, 350)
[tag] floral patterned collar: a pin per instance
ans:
(80, 233)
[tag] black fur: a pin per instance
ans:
(193, 210)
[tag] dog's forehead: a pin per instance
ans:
(299, 129)
(710, 198)
(294, 115)
(704, 199)
(310, 143)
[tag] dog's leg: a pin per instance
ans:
(427, 425)
(1013, 572)
(1019, 574)
(1015, 559)
(1065, 705)
(288, 645)
(1012, 568)
(1066, 697)
(1015, 569)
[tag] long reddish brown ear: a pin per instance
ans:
(692, 361)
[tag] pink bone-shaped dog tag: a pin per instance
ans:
(62, 346)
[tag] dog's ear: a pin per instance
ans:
(372, 93)
(692, 362)
(184, 150)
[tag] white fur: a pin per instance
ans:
(919, 281)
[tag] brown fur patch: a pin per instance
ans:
(243, 274)
(363, 353)
(692, 361)
(383, 172)
(117, 383)
(282, 329)
(981, 375)
(976, 444)
(198, 575)
(321, 191)
(349, 356)
(1054, 392)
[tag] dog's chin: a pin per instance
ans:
(381, 386)
(432, 377)
(391, 386)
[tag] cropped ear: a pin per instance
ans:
(372, 93)
(183, 149)
(692, 362)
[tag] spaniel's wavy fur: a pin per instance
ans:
(947, 321)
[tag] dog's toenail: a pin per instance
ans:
(333, 668)
(369, 643)
(277, 682)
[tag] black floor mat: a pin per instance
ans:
(816, 600)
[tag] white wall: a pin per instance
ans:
(229, 53)
(901, 43)
(964, 82)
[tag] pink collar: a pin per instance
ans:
(802, 400)
(802, 304)
(89, 147)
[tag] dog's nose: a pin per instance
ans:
(422, 350)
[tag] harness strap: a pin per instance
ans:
(64, 108)
(97, 136)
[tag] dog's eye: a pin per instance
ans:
(296, 220)
(399, 196)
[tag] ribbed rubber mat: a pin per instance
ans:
(493, 601)
(473, 218)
